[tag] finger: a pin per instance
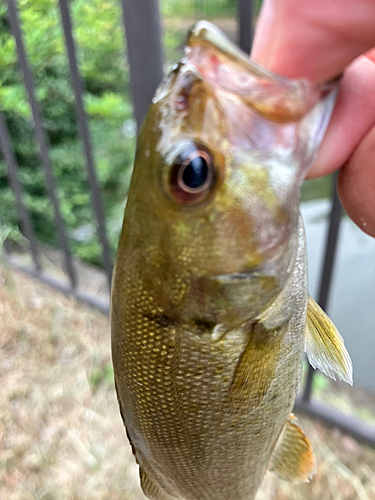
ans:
(352, 118)
(356, 185)
(315, 39)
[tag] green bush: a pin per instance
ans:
(100, 41)
(199, 8)
(204, 8)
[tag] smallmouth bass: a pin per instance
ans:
(210, 310)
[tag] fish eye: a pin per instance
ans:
(192, 175)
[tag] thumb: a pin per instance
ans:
(315, 39)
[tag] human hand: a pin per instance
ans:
(320, 39)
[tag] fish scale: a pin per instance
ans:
(183, 380)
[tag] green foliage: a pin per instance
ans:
(199, 7)
(101, 53)
(316, 188)
(204, 8)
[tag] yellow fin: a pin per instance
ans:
(151, 489)
(325, 347)
(256, 368)
(293, 458)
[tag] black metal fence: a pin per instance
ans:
(145, 56)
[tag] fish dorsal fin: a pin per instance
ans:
(325, 347)
(293, 458)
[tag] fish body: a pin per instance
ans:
(210, 301)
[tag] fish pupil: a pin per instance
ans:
(192, 176)
(195, 173)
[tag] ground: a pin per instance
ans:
(61, 435)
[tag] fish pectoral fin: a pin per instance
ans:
(152, 490)
(325, 347)
(256, 369)
(293, 458)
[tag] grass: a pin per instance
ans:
(61, 435)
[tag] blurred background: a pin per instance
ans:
(67, 142)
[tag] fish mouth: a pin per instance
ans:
(242, 275)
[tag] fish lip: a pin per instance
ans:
(239, 276)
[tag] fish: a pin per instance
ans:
(210, 310)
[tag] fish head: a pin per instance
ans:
(215, 191)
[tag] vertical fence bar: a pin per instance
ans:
(327, 272)
(245, 24)
(145, 53)
(10, 160)
(85, 136)
(40, 137)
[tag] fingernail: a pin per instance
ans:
(371, 55)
